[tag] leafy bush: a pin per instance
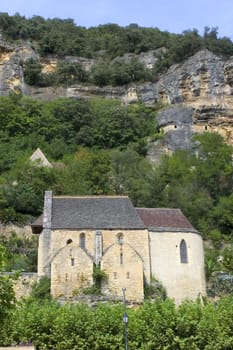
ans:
(154, 290)
(157, 325)
(41, 289)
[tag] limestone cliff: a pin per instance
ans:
(197, 95)
(11, 71)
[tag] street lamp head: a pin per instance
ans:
(125, 318)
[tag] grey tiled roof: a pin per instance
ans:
(94, 212)
(164, 219)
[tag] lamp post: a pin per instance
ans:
(125, 320)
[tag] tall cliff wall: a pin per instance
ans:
(197, 95)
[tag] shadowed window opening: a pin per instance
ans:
(82, 241)
(183, 252)
(72, 262)
(121, 258)
(69, 241)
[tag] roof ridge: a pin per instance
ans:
(158, 208)
(90, 196)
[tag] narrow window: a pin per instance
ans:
(175, 126)
(115, 275)
(206, 127)
(66, 277)
(121, 258)
(82, 241)
(128, 275)
(72, 261)
(183, 252)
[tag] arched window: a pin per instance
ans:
(82, 240)
(183, 252)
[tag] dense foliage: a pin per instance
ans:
(104, 72)
(158, 325)
(20, 253)
(98, 147)
(63, 37)
(7, 295)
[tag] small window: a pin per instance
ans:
(115, 275)
(128, 275)
(82, 241)
(183, 252)
(72, 261)
(121, 258)
(66, 277)
(206, 127)
(69, 241)
(175, 126)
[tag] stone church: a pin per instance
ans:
(131, 245)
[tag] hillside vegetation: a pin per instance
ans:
(105, 43)
(99, 146)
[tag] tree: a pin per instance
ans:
(100, 74)
(131, 175)
(223, 214)
(70, 73)
(32, 72)
(213, 168)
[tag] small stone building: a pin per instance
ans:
(78, 234)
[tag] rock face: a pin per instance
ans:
(197, 95)
(177, 125)
(11, 71)
(200, 92)
(148, 58)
